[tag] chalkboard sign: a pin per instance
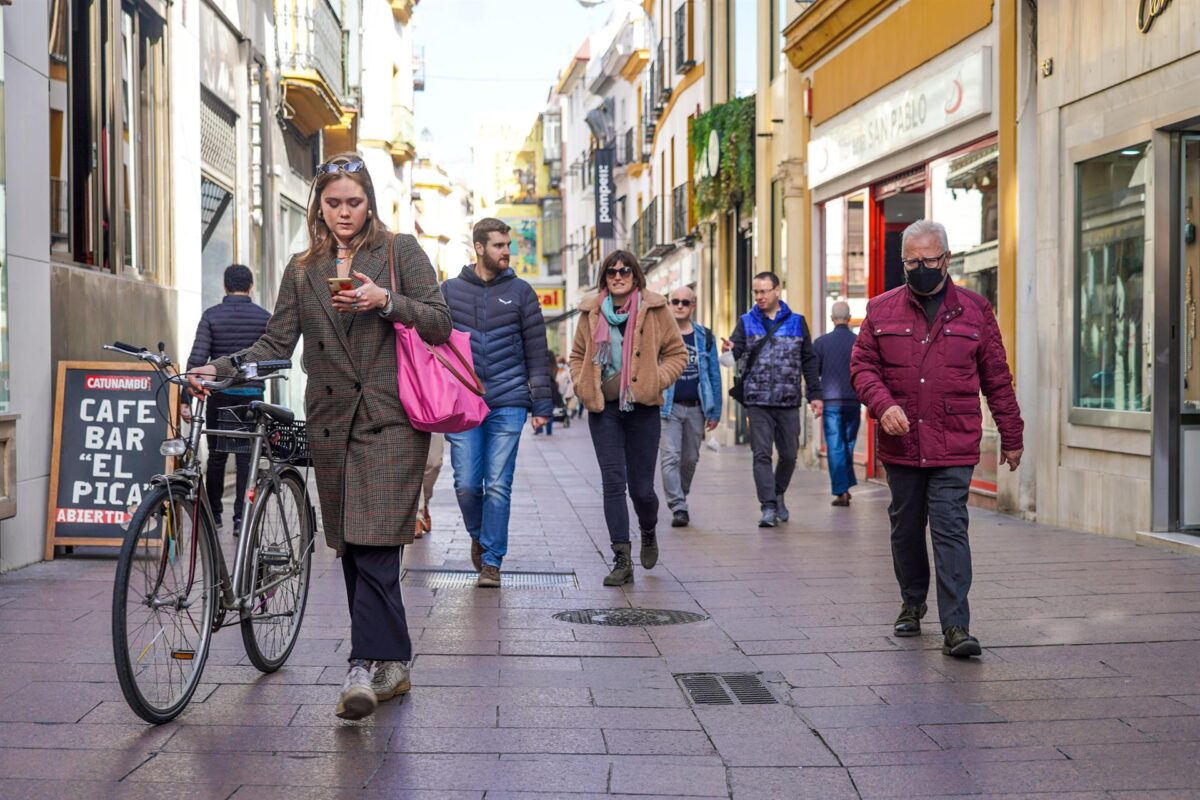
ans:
(108, 425)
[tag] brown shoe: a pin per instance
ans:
(424, 524)
(842, 499)
(489, 577)
(476, 554)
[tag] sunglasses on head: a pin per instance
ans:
(614, 272)
(331, 167)
(679, 301)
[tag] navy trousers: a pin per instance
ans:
(378, 626)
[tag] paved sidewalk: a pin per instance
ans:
(1088, 686)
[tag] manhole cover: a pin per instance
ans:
(465, 578)
(726, 689)
(628, 617)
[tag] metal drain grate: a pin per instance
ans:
(726, 689)
(465, 579)
(628, 617)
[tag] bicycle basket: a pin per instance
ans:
(289, 442)
(232, 418)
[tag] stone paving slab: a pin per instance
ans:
(1088, 686)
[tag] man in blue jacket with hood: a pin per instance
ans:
(508, 343)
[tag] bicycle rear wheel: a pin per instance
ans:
(164, 600)
(279, 561)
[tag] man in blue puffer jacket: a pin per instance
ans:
(229, 327)
(508, 342)
(772, 390)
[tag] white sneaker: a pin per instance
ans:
(358, 698)
(391, 679)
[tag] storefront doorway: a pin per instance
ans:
(1176, 470)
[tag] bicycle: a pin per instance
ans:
(173, 589)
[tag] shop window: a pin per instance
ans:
(845, 257)
(963, 197)
(1110, 235)
(108, 135)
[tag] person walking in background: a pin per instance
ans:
(566, 390)
(508, 342)
(842, 409)
(433, 468)
(924, 352)
(778, 351)
(367, 458)
(691, 407)
(233, 325)
(627, 351)
(556, 398)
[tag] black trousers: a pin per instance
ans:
(626, 445)
(936, 496)
(378, 625)
(777, 427)
(214, 474)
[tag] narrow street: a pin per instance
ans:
(1087, 688)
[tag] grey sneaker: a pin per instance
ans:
(769, 518)
(357, 699)
(391, 680)
(781, 510)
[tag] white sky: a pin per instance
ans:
(486, 57)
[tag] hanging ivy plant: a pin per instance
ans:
(733, 182)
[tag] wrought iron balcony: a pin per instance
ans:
(312, 57)
(679, 212)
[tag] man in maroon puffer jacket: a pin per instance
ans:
(924, 352)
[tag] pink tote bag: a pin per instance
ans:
(439, 388)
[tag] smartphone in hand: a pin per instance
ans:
(340, 285)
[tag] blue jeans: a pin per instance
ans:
(841, 431)
(484, 460)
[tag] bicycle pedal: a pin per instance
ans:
(274, 557)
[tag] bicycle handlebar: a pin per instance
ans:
(246, 371)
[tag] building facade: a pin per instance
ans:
(1118, 266)
(155, 144)
(871, 137)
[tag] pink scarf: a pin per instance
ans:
(607, 331)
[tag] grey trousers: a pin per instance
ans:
(772, 426)
(679, 449)
(937, 496)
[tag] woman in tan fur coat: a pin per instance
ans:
(627, 351)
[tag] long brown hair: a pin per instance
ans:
(320, 238)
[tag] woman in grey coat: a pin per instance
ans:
(368, 459)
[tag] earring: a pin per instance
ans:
(370, 213)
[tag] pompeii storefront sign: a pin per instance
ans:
(952, 97)
(604, 193)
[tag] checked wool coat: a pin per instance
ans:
(369, 461)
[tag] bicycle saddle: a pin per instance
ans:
(277, 413)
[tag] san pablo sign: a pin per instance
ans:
(958, 94)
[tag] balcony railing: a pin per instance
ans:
(635, 237)
(311, 38)
(679, 211)
(584, 265)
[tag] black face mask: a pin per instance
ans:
(923, 280)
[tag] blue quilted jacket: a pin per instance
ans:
(226, 328)
(786, 358)
(508, 338)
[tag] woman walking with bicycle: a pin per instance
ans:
(627, 351)
(368, 459)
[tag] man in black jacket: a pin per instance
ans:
(508, 343)
(225, 329)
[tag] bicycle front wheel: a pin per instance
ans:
(164, 601)
(279, 561)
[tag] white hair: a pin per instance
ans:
(924, 227)
(840, 311)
